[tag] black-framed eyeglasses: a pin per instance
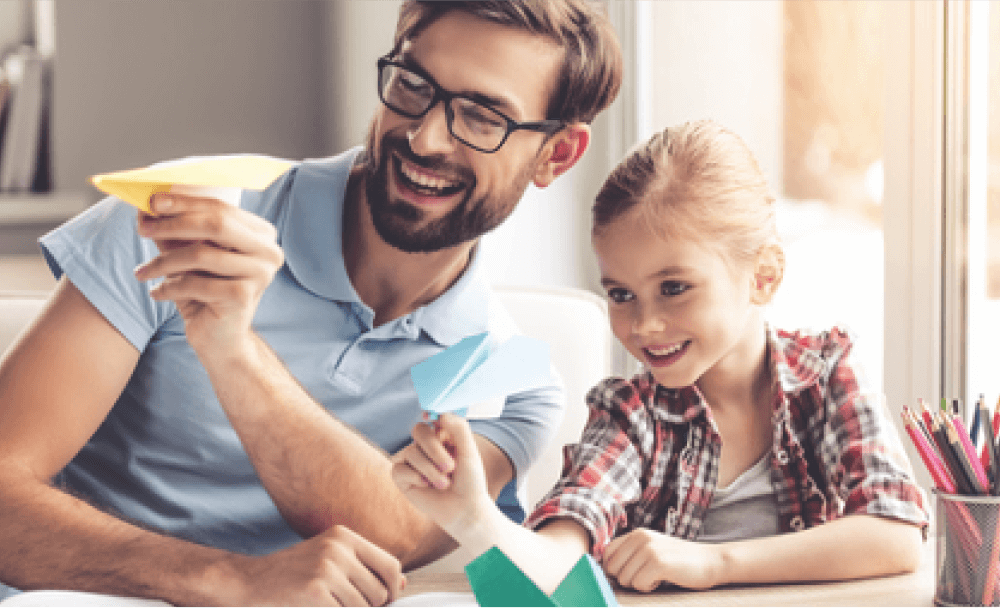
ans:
(409, 91)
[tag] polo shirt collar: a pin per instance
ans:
(312, 233)
(312, 238)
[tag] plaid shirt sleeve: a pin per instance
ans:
(602, 473)
(869, 467)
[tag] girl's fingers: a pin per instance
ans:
(433, 442)
(459, 433)
(629, 571)
(617, 553)
(406, 477)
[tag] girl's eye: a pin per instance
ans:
(673, 288)
(619, 295)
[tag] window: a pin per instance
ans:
(803, 83)
(981, 97)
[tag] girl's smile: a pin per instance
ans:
(677, 305)
(663, 356)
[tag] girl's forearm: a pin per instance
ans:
(546, 556)
(856, 546)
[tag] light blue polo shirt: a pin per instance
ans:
(167, 457)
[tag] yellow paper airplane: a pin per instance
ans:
(217, 176)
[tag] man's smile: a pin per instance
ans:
(426, 186)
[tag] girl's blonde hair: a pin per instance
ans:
(697, 181)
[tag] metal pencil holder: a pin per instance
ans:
(968, 550)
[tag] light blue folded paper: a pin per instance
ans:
(469, 374)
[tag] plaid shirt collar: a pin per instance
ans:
(795, 367)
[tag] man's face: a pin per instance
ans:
(426, 190)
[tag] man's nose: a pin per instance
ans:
(429, 135)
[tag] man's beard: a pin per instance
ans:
(402, 225)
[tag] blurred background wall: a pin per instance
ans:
(135, 82)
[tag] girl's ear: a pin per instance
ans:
(768, 272)
(561, 153)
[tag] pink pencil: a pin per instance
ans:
(970, 451)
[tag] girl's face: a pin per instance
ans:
(676, 305)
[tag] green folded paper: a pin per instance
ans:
(496, 581)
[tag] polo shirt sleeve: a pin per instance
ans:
(869, 467)
(528, 422)
(98, 251)
(602, 472)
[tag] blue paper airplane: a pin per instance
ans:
(465, 376)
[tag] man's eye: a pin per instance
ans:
(413, 84)
(619, 295)
(673, 288)
(482, 121)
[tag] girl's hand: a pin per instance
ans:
(442, 474)
(643, 559)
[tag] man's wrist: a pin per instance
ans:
(242, 351)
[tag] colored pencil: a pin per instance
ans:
(961, 455)
(969, 453)
(958, 515)
(974, 426)
(989, 450)
(962, 483)
(939, 473)
(996, 441)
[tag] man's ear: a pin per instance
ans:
(561, 152)
(768, 273)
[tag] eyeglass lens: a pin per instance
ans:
(411, 95)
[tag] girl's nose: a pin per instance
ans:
(430, 135)
(647, 320)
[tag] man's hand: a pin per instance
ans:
(335, 568)
(216, 261)
(643, 559)
(441, 473)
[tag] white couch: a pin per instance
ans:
(17, 310)
(572, 321)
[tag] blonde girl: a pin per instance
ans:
(744, 454)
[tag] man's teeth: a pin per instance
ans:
(663, 352)
(424, 180)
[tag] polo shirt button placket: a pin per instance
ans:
(408, 329)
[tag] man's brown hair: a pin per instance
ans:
(591, 72)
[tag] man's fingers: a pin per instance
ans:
(203, 288)
(202, 257)
(346, 594)
(382, 578)
(365, 574)
(191, 218)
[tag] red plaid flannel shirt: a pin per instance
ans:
(649, 456)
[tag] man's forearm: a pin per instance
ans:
(856, 546)
(318, 471)
(53, 540)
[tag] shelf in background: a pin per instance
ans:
(31, 208)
